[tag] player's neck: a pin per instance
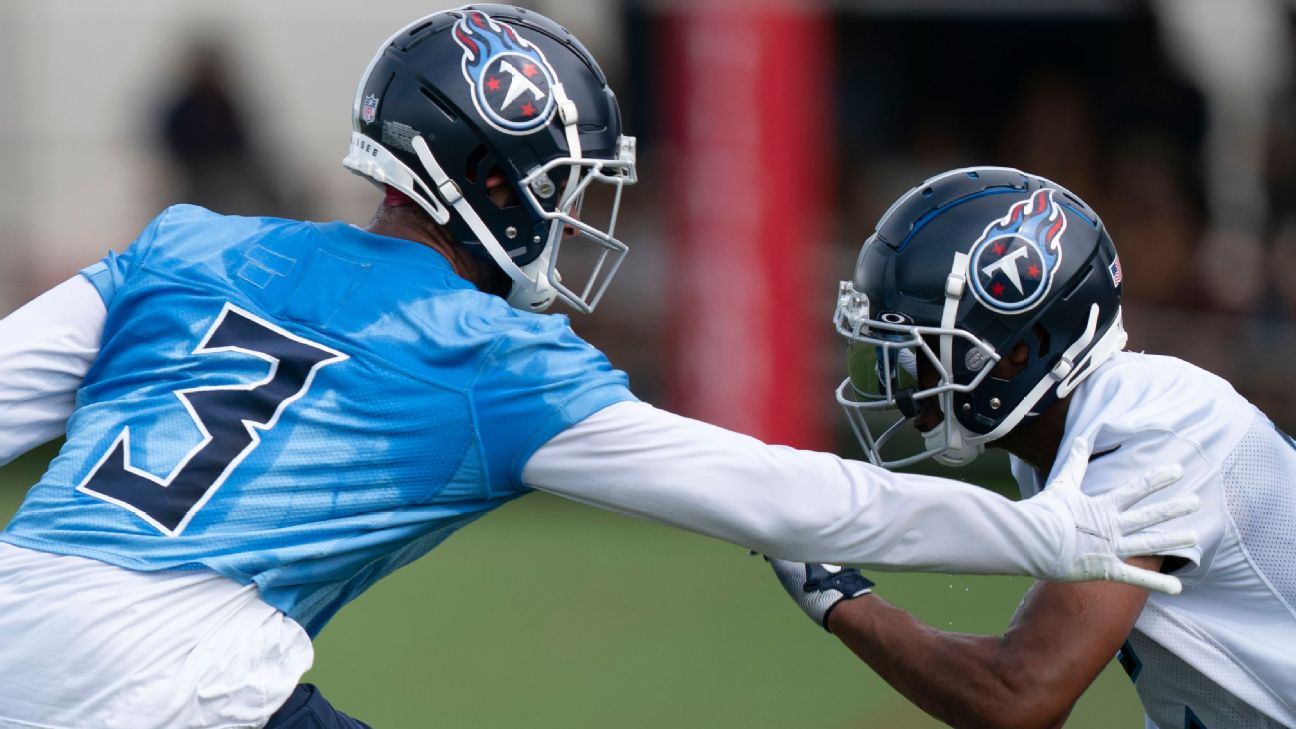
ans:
(408, 222)
(1037, 442)
(404, 222)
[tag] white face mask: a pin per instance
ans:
(883, 358)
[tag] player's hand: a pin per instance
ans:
(1108, 528)
(818, 588)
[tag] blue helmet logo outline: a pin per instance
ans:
(510, 79)
(1011, 266)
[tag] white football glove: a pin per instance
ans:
(818, 588)
(1107, 529)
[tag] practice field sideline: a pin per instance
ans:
(550, 614)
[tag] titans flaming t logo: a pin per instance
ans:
(1012, 264)
(511, 82)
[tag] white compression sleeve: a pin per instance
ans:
(635, 459)
(46, 348)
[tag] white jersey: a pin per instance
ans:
(87, 644)
(1221, 655)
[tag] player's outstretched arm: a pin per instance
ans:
(814, 507)
(46, 348)
(1028, 678)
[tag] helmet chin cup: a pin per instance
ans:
(532, 292)
(950, 446)
(957, 457)
(936, 442)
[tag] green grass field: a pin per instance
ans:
(550, 614)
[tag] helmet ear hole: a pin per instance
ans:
(1012, 364)
(501, 191)
(483, 169)
(475, 160)
(1042, 339)
(1019, 357)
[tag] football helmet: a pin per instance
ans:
(960, 270)
(461, 96)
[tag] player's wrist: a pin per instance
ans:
(848, 611)
(818, 588)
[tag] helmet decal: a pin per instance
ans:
(989, 257)
(1011, 265)
(510, 79)
(369, 110)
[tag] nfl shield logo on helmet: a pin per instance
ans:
(510, 80)
(369, 110)
(1011, 265)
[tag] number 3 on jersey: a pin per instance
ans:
(230, 417)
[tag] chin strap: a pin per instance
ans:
(955, 284)
(569, 115)
(1112, 341)
(1071, 369)
(447, 190)
(533, 288)
(959, 447)
(1068, 373)
(543, 271)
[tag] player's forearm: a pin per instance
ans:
(963, 680)
(800, 505)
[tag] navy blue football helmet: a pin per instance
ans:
(461, 95)
(960, 270)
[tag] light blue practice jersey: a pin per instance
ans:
(302, 406)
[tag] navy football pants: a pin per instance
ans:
(306, 708)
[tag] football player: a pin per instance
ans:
(266, 416)
(985, 309)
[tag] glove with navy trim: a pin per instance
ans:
(818, 588)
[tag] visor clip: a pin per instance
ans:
(450, 192)
(567, 112)
(1062, 369)
(954, 286)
